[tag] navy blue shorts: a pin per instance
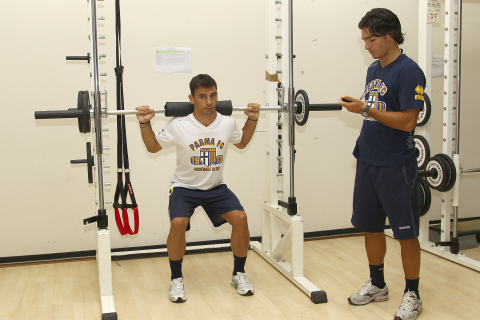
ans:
(382, 192)
(216, 202)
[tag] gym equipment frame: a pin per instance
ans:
(447, 247)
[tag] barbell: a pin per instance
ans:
(84, 111)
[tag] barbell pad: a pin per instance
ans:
(422, 151)
(452, 170)
(325, 107)
(178, 109)
(181, 109)
(424, 115)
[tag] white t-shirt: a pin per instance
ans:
(201, 150)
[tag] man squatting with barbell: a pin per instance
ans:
(201, 139)
(386, 175)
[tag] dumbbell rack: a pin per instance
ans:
(280, 208)
(451, 106)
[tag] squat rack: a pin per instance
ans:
(447, 248)
(274, 245)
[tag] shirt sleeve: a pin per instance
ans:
(237, 134)
(412, 86)
(166, 137)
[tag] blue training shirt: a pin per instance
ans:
(398, 86)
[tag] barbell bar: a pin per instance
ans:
(84, 110)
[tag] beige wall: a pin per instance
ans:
(45, 198)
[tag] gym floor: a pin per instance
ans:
(69, 290)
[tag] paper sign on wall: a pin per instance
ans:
(433, 12)
(173, 60)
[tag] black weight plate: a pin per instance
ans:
(90, 163)
(87, 123)
(427, 196)
(452, 169)
(301, 99)
(421, 196)
(440, 180)
(422, 151)
(447, 173)
(80, 107)
(424, 115)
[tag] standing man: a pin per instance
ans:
(201, 139)
(385, 181)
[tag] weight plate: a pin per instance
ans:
(452, 170)
(425, 193)
(422, 151)
(87, 124)
(89, 163)
(301, 100)
(424, 114)
(83, 103)
(440, 180)
(80, 107)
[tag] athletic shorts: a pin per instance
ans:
(382, 192)
(216, 202)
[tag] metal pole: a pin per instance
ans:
(457, 127)
(291, 92)
(97, 107)
(459, 71)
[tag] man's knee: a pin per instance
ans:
(179, 224)
(237, 218)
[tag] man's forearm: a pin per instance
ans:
(149, 138)
(248, 131)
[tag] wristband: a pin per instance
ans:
(145, 122)
(252, 120)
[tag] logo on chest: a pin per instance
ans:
(207, 154)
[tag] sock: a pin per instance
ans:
(238, 264)
(412, 285)
(376, 273)
(176, 268)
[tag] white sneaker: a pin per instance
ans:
(177, 292)
(368, 293)
(241, 283)
(410, 308)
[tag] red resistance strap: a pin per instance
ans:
(121, 191)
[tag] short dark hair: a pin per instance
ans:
(381, 22)
(201, 80)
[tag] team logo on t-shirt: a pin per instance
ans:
(208, 157)
(419, 89)
(375, 103)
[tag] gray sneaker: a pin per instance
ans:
(177, 292)
(240, 282)
(410, 308)
(368, 293)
